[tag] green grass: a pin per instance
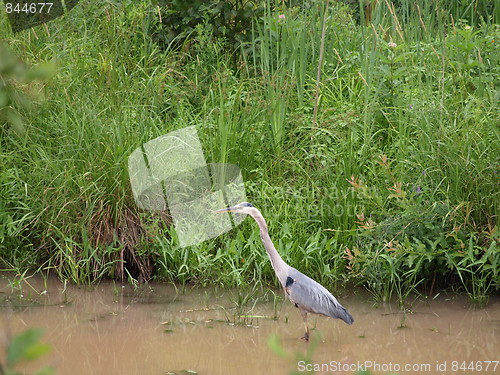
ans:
(394, 187)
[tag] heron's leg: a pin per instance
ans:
(304, 316)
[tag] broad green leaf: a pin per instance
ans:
(275, 345)
(25, 346)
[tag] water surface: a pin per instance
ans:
(157, 329)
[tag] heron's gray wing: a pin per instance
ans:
(311, 296)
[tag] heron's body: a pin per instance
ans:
(316, 299)
(306, 294)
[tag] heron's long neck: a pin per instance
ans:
(279, 265)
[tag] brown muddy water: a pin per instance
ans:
(156, 329)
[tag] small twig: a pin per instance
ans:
(363, 78)
(159, 13)
(46, 29)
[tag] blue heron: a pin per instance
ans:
(306, 294)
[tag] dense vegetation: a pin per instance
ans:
(380, 171)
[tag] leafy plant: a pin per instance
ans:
(17, 88)
(230, 20)
(25, 347)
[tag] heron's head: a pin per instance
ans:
(242, 208)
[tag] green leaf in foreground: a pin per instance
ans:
(275, 345)
(25, 346)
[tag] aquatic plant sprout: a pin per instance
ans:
(171, 172)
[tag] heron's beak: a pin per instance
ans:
(229, 209)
